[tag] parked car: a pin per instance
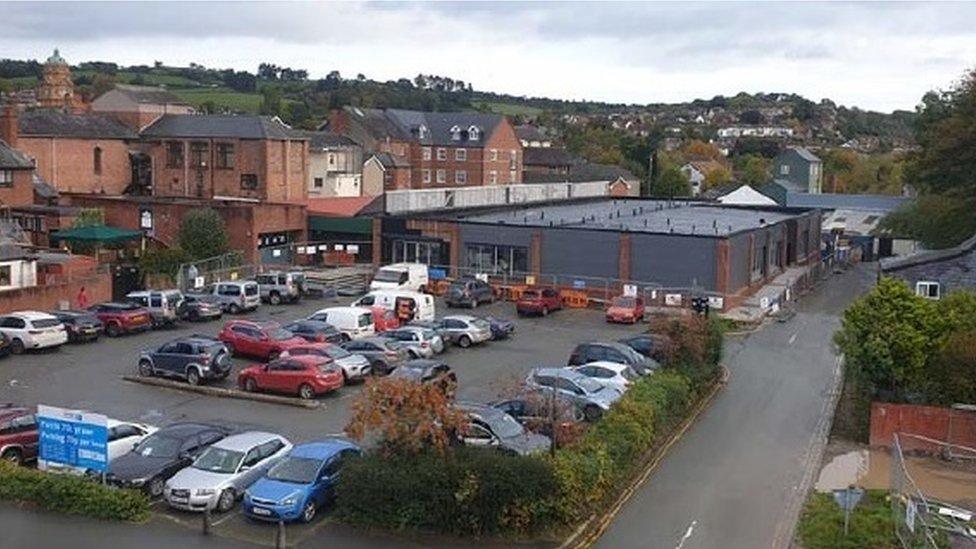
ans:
(200, 307)
(610, 374)
(163, 305)
(467, 330)
(304, 375)
(488, 426)
(81, 326)
(224, 302)
(315, 331)
(625, 309)
(540, 301)
(610, 351)
(383, 353)
(401, 276)
(448, 337)
(239, 295)
(18, 434)
(653, 346)
(353, 366)
(161, 455)
(123, 436)
(353, 322)
(501, 328)
(406, 305)
(539, 412)
(221, 474)
(300, 483)
(433, 372)
(264, 340)
(5, 349)
(468, 292)
(588, 394)
(419, 342)
(277, 287)
(194, 359)
(28, 330)
(384, 320)
(122, 318)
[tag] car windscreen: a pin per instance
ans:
(629, 374)
(251, 289)
(589, 384)
(364, 320)
(218, 460)
(481, 323)
(530, 294)
(391, 275)
(622, 301)
(280, 334)
(158, 446)
(428, 334)
(505, 426)
(46, 322)
(336, 353)
(296, 470)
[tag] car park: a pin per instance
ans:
(29, 330)
(610, 374)
(432, 372)
(490, 427)
(314, 331)
(303, 375)
(419, 342)
(541, 410)
(467, 330)
(277, 287)
(383, 354)
(589, 395)
(194, 359)
(500, 328)
(354, 366)
(82, 326)
(468, 292)
(163, 305)
(18, 434)
(263, 340)
(161, 455)
(300, 483)
(653, 346)
(239, 295)
(541, 301)
(200, 307)
(406, 305)
(122, 437)
(122, 318)
(611, 351)
(625, 309)
(401, 276)
(353, 322)
(223, 471)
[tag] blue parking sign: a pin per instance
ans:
(72, 438)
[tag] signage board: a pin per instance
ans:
(630, 290)
(436, 274)
(199, 282)
(72, 438)
(480, 276)
(716, 302)
(579, 284)
(673, 300)
(530, 280)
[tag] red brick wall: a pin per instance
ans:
(68, 164)
(98, 287)
(22, 191)
(928, 421)
(503, 140)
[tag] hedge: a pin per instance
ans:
(70, 494)
(821, 524)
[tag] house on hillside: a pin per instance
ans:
(531, 137)
(796, 169)
(697, 171)
(932, 274)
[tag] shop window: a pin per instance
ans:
(496, 259)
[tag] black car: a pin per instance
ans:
(315, 331)
(428, 371)
(161, 455)
(5, 348)
(500, 327)
(612, 351)
(81, 325)
(650, 345)
(468, 292)
(199, 307)
(193, 359)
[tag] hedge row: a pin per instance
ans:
(70, 494)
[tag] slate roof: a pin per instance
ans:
(581, 173)
(548, 156)
(832, 201)
(805, 154)
(778, 189)
(327, 140)
(12, 159)
(52, 123)
(221, 126)
(149, 95)
(44, 189)
(391, 161)
(529, 133)
(405, 125)
(897, 263)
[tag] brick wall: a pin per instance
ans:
(22, 191)
(69, 164)
(98, 287)
(943, 424)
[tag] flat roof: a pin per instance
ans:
(636, 215)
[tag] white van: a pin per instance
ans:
(405, 305)
(401, 276)
(353, 322)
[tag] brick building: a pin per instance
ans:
(439, 149)
(16, 178)
(139, 106)
(56, 90)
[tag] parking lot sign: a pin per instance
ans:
(73, 438)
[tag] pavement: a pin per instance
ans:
(734, 479)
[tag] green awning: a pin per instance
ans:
(101, 234)
(346, 225)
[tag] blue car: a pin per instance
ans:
(500, 328)
(303, 481)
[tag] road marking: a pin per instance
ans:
(224, 519)
(793, 338)
(688, 532)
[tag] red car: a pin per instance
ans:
(122, 318)
(625, 309)
(384, 319)
(303, 375)
(265, 340)
(538, 301)
(18, 434)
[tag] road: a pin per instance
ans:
(732, 481)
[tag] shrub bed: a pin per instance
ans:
(70, 494)
(871, 525)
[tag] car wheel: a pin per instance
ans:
(305, 392)
(16, 346)
(194, 316)
(230, 348)
(273, 355)
(155, 487)
(145, 368)
(344, 338)
(545, 311)
(226, 501)
(234, 309)
(592, 413)
(13, 456)
(308, 513)
(274, 298)
(464, 342)
(193, 376)
(414, 354)
(113, 330)
(250, 385)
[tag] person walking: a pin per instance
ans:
(82, 298)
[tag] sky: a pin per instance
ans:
(877, 56)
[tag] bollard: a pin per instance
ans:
(206, 521)
(280, 538)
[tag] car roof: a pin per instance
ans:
(307, 359)
(246, 440)
(466, 318)
(421, 363)
(376, 339)
(612, 344)
(346, 308)
(558, 372)
(199, 339)
(9, 411)
(186, 429)
(614, 366)
(31, 315)
(321, 449)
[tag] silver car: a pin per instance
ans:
(466, 329)
(419, 342)
(224, 470)
(588, 394)
(353, 366)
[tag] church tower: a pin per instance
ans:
(56, 89)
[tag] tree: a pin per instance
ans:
(203, 234)
(936, 221)
(271, 100)
(753, 170)
(696, 149)
(716, 177)
(102, 83)
(671, 183)
(89, 217)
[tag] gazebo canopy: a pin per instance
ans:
(99, 234)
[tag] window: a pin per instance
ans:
(442, 176)
(174, 154)
(426, 175)
(199, 151)
(442, 154)
(493, 177)
(425, 153)
(513, 176)
(97, 160)
(461, 155)
(928, 290)
(784, 169)
(6, 178)
(473, 133)
(332, 159)
(455, 133)
(494, 259)
(225, 156)
(493, 155)
(461, 177)
(318, 183)
(249, 182)
(423, 133)
(513, 160)
(6, 279)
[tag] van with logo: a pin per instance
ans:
(406, 306)
(401, 276)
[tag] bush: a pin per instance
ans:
(822, 523)
(695, 349)
(70, 494)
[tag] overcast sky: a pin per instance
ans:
(877, 56)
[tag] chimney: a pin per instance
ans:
(8, 125)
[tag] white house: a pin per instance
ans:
(17, 269)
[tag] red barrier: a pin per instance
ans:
(942, 424)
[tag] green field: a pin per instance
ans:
(510, 109)
(222, 97)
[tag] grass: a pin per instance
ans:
(222, 97)
(871, 525)
(511, 109)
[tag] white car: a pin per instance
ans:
(224, 470)
(609, 374)
(32, 330)
(122, 437)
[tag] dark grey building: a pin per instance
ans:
(934, 273)
(795, 170)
